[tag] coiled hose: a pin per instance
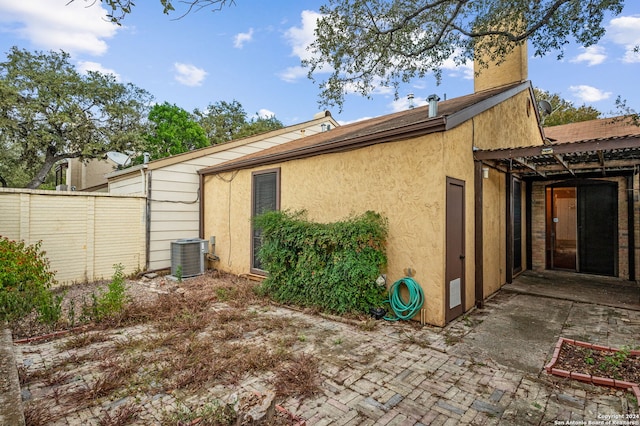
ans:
(405, 310)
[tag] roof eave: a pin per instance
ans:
(433, 125)
(465, 114)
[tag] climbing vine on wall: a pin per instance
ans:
(331, 266)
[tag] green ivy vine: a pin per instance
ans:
(331, 266)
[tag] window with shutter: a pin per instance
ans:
(265, 195)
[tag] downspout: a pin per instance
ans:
(631, 224)
(201, 207)
(147, 183)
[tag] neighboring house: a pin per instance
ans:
(172, 185)
(449, 225)
(582, 195)
(74, 174)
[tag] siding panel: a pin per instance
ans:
(83, 234)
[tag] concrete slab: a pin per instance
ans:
(516, 330)
(596, 289)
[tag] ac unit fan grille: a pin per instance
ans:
(187, 257)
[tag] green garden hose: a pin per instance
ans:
(405, 310)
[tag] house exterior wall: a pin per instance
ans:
(133, 183)
(83, 175)
(494, 236)
(83, 234)
(405, 181)
(509, 124)
(538, 225)
(174, 206)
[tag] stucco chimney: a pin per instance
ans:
(513, 69)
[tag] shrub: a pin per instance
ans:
(25, 282)
(329, 266)
(110, 302)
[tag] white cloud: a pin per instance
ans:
(458, 70)
(265, 113)
(625, 31)
(292, 74)
(592, 55)
(188, 74)
(241, 38)
(345, 122)
(403, 104)
(586, 93)
(76, 27)
(300, 38)
(85, 66)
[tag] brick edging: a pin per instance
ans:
(11, 410)
(588, 378)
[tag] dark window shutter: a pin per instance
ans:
(265, 199)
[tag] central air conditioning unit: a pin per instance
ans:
(188, 257)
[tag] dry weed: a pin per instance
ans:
(300, 377)
(190, 341)
(37, 413)
(123, 415)
(84, 339)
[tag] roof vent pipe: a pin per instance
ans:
(433, 105)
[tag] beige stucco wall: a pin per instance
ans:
(83, 235)
(405, 181)
(513, 69)
(494, 231)
(510, 124)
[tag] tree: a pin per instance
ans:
(121, 8)
(172, 131)
(225, 121)
(367, 44)
(564, 112)
(50, 112)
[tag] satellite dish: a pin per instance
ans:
(545, 107)
(119, 158)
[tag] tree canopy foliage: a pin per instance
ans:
(121, 8)
(172, 131)
(564, 111)
(50, 112)
(224, 121)
(365, 45)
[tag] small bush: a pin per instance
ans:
(107, 303)
(328, 266)
(25, 282)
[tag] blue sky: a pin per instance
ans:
(251, 53)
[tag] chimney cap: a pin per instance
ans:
(433, 97)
